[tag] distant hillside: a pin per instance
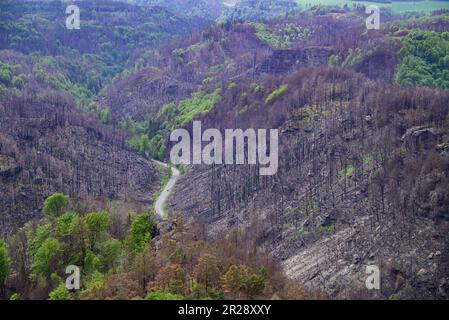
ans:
(84, 60)
(200, 9)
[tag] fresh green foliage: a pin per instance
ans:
(200, 103)
(105, 116)
(15, 297)
(5, 263)
(242, 111)
(265, 35)
(174, 115)
(37, 238)
(292, 33)
(5, 73)
(92, 262)
(260, 10)
(334, 60)
(257, 87)
(154, 148)
(123, 268)
(161, 295)
(142, 229)
(241, 280)
(276, 94)
(329, 229)
(65, 224)
(346, 172)
(60, 293)
(110, 254)
(97, 225)
(19, 81)
(353, 59)
(232, 86)
(10, 76)
(282, 35)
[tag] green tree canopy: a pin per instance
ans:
(55, 204)
(425, 59)
(60, 293)
(5, 263)
(45, 256)
(97, 225)
(141, 231)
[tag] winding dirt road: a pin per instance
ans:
(161, 201)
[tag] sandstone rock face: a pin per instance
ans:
(44, 150)
(285, 60)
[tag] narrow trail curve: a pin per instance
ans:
(163, 197)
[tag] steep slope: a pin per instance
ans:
(363, 175)
(46, 147)
(201, 10)
(47, 72)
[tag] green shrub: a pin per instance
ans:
(334, 60)
(242, 111)
(97, 225)
(15, 296)
(19, 81)
(232, 86)
(276, 94)
(45, 258)
(154, 148)
(5, 263)
(92, 262)
(329, 229)
(267, 36)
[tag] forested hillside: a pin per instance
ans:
(53, 134)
